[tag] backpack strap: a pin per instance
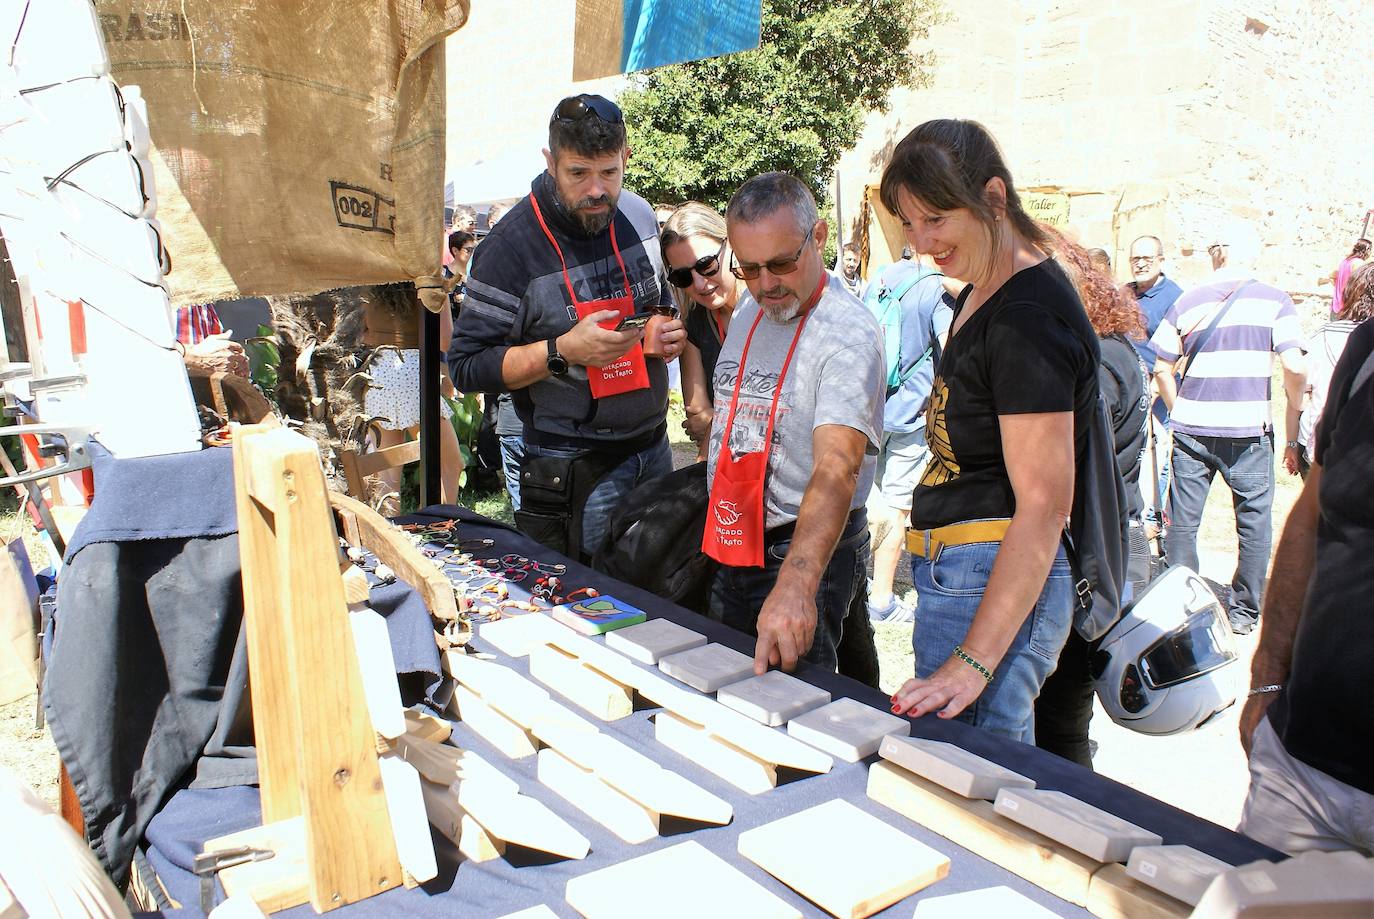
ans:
(1361, 376)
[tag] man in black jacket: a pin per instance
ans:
(545, 295)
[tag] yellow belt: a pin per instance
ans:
(928, 543)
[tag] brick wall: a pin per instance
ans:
(1169, 118)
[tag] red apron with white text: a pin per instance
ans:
(629, 372)
(735, 514)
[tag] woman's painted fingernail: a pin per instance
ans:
(896, 709)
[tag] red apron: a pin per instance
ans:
(735, 513)
(629, 372)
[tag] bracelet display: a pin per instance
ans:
(964, 656)
(1261, 690)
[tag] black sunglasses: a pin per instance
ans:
(576, 108)
(776, 266)
(708, 266)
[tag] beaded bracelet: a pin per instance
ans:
(964, 656)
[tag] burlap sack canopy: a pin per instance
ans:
(294, 152)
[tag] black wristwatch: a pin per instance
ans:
(557, 363)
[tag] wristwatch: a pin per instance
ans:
(1293, 445)
(557, 363)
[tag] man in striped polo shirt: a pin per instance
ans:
(1220, 416)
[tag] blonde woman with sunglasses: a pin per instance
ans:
(694, 252)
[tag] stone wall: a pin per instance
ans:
(1168, 118)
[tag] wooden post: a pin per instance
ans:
(316, 746)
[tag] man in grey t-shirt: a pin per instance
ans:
(827, 426)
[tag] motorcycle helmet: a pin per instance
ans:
(1169, 664)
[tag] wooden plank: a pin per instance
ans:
(1114, 894)
(509, 693)
(423, 726)
(277, 883)
(583, 790)
(492, 726)
(949, 766)
(476, 844)
(515, 636)
(446, 765)
(405, 804)
(394, 549)
(738, 730)
(377, 669)
(521, 820)
(659, 790)
(845, 860)
(684, 881)
(442, 809)
(589, 690)
(978, 828)
(738, 767)
(503, 689)
(350, 851)
(269, 669)
(601, 658)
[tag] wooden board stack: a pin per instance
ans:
(734, 747)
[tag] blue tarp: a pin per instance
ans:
(659, 32)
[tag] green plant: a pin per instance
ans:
(263, 360)
(467, 422)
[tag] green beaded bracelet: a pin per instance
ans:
(964, 656)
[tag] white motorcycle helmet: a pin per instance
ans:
(1170, 664)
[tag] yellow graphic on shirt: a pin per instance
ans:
(943, 465)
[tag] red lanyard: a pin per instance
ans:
(624, 276)
(782, 376)
(720, 330)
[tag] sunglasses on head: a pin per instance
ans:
(708, 266)
(577, 108)
(776, 266)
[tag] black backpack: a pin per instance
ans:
(654, 539)
(1096, 540)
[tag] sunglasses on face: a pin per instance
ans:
(776, 266)
(576, 108)
(708, 266)
(1142, 259)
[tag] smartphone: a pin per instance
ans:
(637, 321)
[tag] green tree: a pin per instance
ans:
(794, 104)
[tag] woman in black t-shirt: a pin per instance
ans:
(694, 252)
(1009, 414)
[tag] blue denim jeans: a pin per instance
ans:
(950, 588)
(634, 470)
(1246, 465)
(844, 635)
(512, 452)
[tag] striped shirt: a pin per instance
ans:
(197, 322)
(1226, 390)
